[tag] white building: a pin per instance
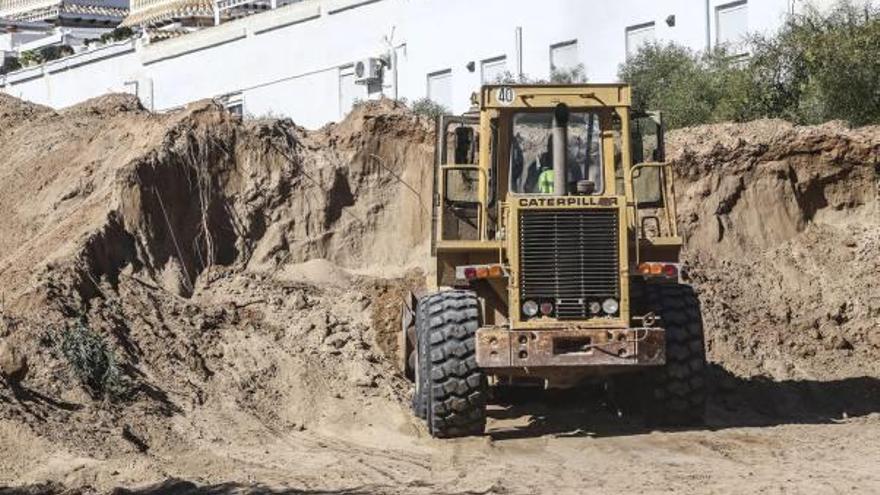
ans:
(179, 16)
(81, 13)
(300, 60)
(31, 25)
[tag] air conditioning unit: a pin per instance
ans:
(367, 70)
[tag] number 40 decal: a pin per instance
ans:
(505, 95)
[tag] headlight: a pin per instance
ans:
(530, 308)
(610, 306)
(595, 307)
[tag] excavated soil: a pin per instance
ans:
(245, 278)
(782, 226)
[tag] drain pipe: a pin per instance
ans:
(519, 53)
(560, 149)
(394, 74)
(392, 60)
(708, 25)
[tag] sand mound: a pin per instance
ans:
(13, 112)
(782, 227)
(171, 195)
(209, 256)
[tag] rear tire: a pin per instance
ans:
(454, 387)
(677, 390)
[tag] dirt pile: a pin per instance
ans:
(782, 227)
(170, 195)
(196, 267)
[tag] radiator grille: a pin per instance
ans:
(569, 257)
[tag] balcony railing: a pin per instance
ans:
(16, 9)
(149, 12)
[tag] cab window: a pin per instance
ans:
(461, 186)
(531, 153)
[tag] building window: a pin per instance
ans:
(493, 70)
(564, 56)
(233, 103)
(440, 88)
(732, 25)
(349, 91)
(638, 36)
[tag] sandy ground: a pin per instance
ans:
(554, 446)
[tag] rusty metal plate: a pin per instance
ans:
(501, 348)
(493, 348)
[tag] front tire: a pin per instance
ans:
(423, 352)
(454, 387)
(677, 390)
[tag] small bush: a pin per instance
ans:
(93, 362)
(508, 77)
(28, 58)
(572, 75)
(118, 34)
(10, 65)
(45, 54)
(429, 108)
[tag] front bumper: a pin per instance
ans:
(503, 348)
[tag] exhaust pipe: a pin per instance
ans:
(560, 149)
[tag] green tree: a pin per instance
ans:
(819, 66)
(673, 79)
(828, 64)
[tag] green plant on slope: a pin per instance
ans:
(93, 362)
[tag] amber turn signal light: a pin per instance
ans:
(654, 269)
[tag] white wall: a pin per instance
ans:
(447, 34)
(288, 61)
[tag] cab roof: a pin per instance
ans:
(529, 96)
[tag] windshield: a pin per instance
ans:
(531, 152)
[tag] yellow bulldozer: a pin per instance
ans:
(557, 259)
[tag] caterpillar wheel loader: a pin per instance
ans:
(557, 260)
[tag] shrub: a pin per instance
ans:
(572, 75)
(10, 65)
(28, 58)
(428, 108)
(93, 362)
(45, 54)
(55, 52)
(118, 34)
